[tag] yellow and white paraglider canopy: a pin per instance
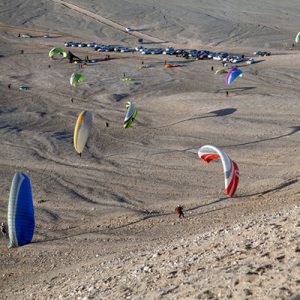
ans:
(82, 130)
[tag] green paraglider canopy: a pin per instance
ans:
(75, 78)
(130, 114)
(57, 51)
(127, 78)
(23, 88)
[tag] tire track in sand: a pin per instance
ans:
(22, 29)
(108, 22)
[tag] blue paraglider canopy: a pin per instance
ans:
(20, 218)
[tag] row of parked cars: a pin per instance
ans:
(187, 53)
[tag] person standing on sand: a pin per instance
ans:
(3, 229)
(179, 211)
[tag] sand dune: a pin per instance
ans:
(115, 205)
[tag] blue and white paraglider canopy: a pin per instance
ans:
(20, 217)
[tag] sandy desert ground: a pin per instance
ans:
(105, 222)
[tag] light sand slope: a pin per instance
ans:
(119, 197)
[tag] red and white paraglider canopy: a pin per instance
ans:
(231, 171)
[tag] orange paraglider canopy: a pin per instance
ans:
(171, 66)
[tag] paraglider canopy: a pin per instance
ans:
(20, 216)
(82, 130)
(232, 74)
(56, 51)
(126, 78)
(23, 87)
(75, 78)
(231, 171)
(221, 71)
(167, 66)
(130, 115)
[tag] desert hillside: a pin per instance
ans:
(105, 222)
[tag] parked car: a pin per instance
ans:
(110, 48)
(157, 51)
(223, 55)
(68, 44)
(211, 55)
(26, 35)
(98, 46)
(124, 49)
(193, 53)
(181, 53)
(250, 61)
(262, 53)
(91, 44)
(236, 59)
(146, 51)
(216, 56)
(82, 44)
(118, 48)
(169, 49)
(203, 56)
(128, 29)
(139, 48)
(169, 52)
(226, 59)
(102, 48)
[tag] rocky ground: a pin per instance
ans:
(258, 258)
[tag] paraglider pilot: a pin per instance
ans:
(179, 211)
(3, 229)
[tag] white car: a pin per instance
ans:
(236, 59)
(226, 59)
(139, 48)
(26, 36)
(91, 44)
(128, 29)
(68, 44)
(217, 57)
(146, 51)
(124, 49)
(250, 61)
